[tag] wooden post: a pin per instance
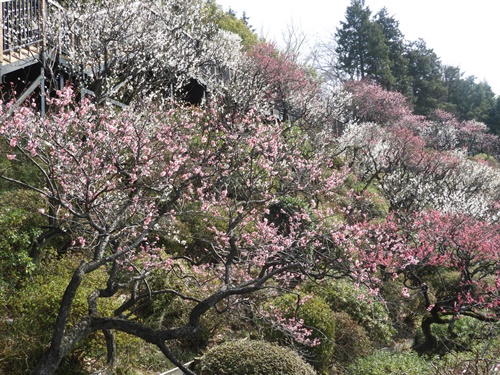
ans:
(59, 32)
(42, 92)
(43, 15)
(42, 57)
(1, 33)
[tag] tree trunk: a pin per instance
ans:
(430, 341)
(63, 340)
(51, 359)
(111, 347)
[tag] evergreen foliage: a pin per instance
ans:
(374, 48)
(247, 357)
(362, 51)
(384, 362)
(230, 22)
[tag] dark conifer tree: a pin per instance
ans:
(394, 39)
(361, 48)
(424, 71)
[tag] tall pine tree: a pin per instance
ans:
(424, 71)
(394, 39)
(361, 48)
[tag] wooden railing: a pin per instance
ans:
(22, 29)
(21, 26)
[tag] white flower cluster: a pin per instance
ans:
(412, 176)
(145, 48)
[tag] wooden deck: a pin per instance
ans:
(19, 59)
(20, 54)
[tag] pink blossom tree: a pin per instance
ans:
(446, 132)
(418, 162)
(424, 250)
(442, 210)
(441, 130)
(372, 103)
(272, 81)
(195, 195)
(121, 184)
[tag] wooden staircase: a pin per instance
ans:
(19, 58)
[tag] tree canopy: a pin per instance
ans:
(333, 220)
(367, 46)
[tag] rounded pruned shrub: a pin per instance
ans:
(466, 333)
(351, 340)
(317, 318)
(251, 357)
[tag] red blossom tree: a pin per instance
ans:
(429, 246)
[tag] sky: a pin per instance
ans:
(462, 33)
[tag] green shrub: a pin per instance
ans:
(443, 282)
(19, 169)
(351, 340)
(405, 313)
(341, 295)
(249, 357)
(384, 362)
(466, 333)
(283, 211)
(19, 227)
(481, 359)
(317, 317)
(137, 357)
(169, 310)
(32, 310)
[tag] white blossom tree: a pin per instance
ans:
(122, 50)
(419, 162)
